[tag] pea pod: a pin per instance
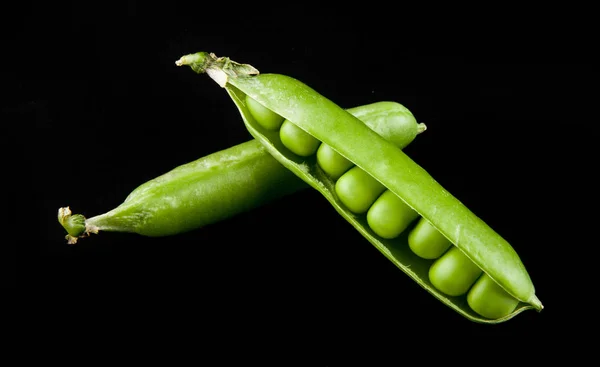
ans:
(219, 185)
(331, 125)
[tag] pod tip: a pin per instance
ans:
(536, 303)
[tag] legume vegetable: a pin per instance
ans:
(220, 185)
(426, 241)
(474, 247)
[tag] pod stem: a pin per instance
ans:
(218, 68)
(75, 225)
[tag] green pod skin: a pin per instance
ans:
(193, 195)
(332, 125)
(217, 186)
(396, 115)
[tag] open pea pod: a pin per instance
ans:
(332, 125)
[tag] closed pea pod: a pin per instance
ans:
(215, 187)
(193, 195)
(333, 126)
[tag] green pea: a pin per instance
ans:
(264, 116)
(389, 216)
(426, 241)
(297, 140)
(453, 273)
(488, 299)
(331, 162)
(357, 190)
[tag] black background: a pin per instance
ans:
(100, 107)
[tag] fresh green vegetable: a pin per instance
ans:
(193, 195)
(426, 241)
(389, 216)
(298, 141)
(218, 186)
(489, 300)
(331, 162)
(453, 273)
(270, 120)
(390, 167)
(357, 190)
